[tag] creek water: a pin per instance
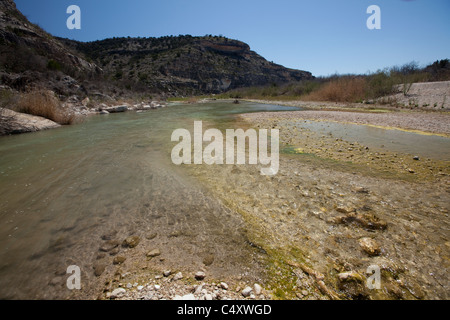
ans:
(63, 190)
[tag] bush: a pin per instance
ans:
(54, 65)
(44, 104)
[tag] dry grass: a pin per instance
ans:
(343, 89)
(43, 103)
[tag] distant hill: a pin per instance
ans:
(185, 65)
(168, 66)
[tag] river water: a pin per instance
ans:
(65, 193)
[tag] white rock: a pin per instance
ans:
(208, 297)
(198, 290)
(200, 275)
(178, 276)
(224, 286)
(247, 291)
(186, 297)
(257, 289)
(139, 288)
(117, 293)
(157, 287)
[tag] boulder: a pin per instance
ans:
(12, 122)
(117, 109)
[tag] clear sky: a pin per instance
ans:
(320, 36)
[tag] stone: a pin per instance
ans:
(131, 242)
(370, 246)
(257, 289)
(16, 122)
(117, 109)
(178, 276)
(99, 268)
(361, 190)
(167, 273)
(224, 286)
(351, 276)
(85, 101)
(117, 293)
(151, 236)
(109, 245)
(119, 260)
(185, 297)
(200, 275)
(416, 158)
(153, 253)
(247, 291)
(109, 236)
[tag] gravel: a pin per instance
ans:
(431, 122)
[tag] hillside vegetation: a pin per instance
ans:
(350, 88)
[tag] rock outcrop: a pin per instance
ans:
(12, 122)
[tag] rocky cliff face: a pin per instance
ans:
(185, 65)
(28, 54)
(168, 66)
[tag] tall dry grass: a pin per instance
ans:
(45, 104)
(342, 89)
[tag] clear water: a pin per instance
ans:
(426, 146)
(62, 190)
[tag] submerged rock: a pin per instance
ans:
(153, 253)
(370, 246)
(131, 242)
(119, 260)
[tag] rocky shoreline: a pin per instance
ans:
(427, 122)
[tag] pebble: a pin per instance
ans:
(224, 286)
(370, 246)
(208, 297)
(200, 275)
(257, 289)
(153, 253)
(131, 242)
(119, 260)
(167, 273)
(117, 293)
(247, 291)
(185, 297)
(99, 268)
(178, 276)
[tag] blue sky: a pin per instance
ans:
(320, 36)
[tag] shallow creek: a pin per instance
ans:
(71, 196)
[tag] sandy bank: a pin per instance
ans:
(430, 122)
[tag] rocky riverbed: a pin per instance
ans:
(337, 208)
